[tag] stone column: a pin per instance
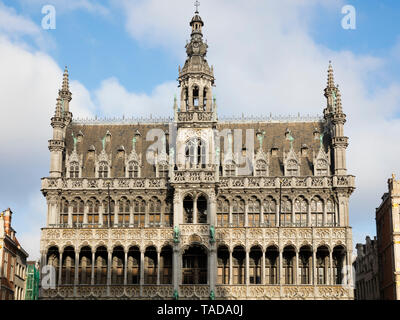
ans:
(330, 268)
(324, 214)
(195, 209)
(175, 267)
(247, 279)
(262, 213)
(142, 267)
(212, 270)
(109, 265)
(93, 262)
(296, 269)
(246, 217)
(85, 213)
(309, 213)
(277, 218)
(69, 216)
(76, 280)
(59, 269)
(280, 267)
(131, 214)
(101, 217)
(293, 220)
(230, 214)
(212, 212)
(230, 268)
(263, 267)
(125, 267)
(314, 264)
(116, 210)
(158, 266)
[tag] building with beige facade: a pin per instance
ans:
(12, 261)
(388, 235)
(196, 206)
(367, 270)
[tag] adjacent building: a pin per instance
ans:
(196, 206)
(388, 235)
(367, 272)
(12, 261)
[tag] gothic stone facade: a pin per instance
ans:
(194, 207)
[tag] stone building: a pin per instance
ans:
(367, 272)
(12, 261)
(387, 230)
(197, 207)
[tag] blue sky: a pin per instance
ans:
(269, 56)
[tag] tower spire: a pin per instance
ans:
(331, 80)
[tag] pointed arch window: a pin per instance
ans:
(124, 212)
(103, 169)
(230, 169)
(133, 169)
(64, 212)
(317, 212)
(163, 170)
(261, 168)
(238, 212)
(195, 152)
(301, 212)
(253, 212)
(286, 212)
(330, 213)
(108, 215)
(269, 211)
(168, 215)
(196, 97)
(77, 212)
(222, 212)
(93, 212)
(292, 168)
(321, 168)
(154, 212)
(74, 169)
(139, 212)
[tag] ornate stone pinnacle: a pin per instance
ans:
(65, 83)
(331, 80)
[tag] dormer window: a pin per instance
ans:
(133, 170)
(261, 168)
(74, 170)
(103, 170)
(292, 168)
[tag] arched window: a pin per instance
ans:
(195, 152)
(201, 209)
(154, 212)
(163, 170)
(93, 212)
(166, 265)
(269, 211)
(108, 207)
(150, 266)
(286, 212)
(301, 212)
(168, 214)
(223, 265)
(77, 212)
(64, 212)
(255, 265)
(222, 212)
(271, 265)
(330, 213)
(196, 97)
(288, 257)
(321, 168)
(117, 267)
(133, 267)
(74, 169)
(338, 259)
(68, 266)
(292, 168)
(188, 209)
(124, 212)
(103, 169)
(85, 266)
(261, 168)
(238, 212)
(317, 212)
(230, 169)
(253, 212)
(238, 265)
(305, 264)
(133, 169)
(53, 259)
(322, 265)
(139, 212)
(205, 93)
(101, 258)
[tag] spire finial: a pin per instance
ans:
(197, 4)
(331, 81)
(65, 83)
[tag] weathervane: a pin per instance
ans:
(197, 4)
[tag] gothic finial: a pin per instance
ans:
(65, 83)
(331, 81)
(58, 112)
(197, 4)
(338, 101)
